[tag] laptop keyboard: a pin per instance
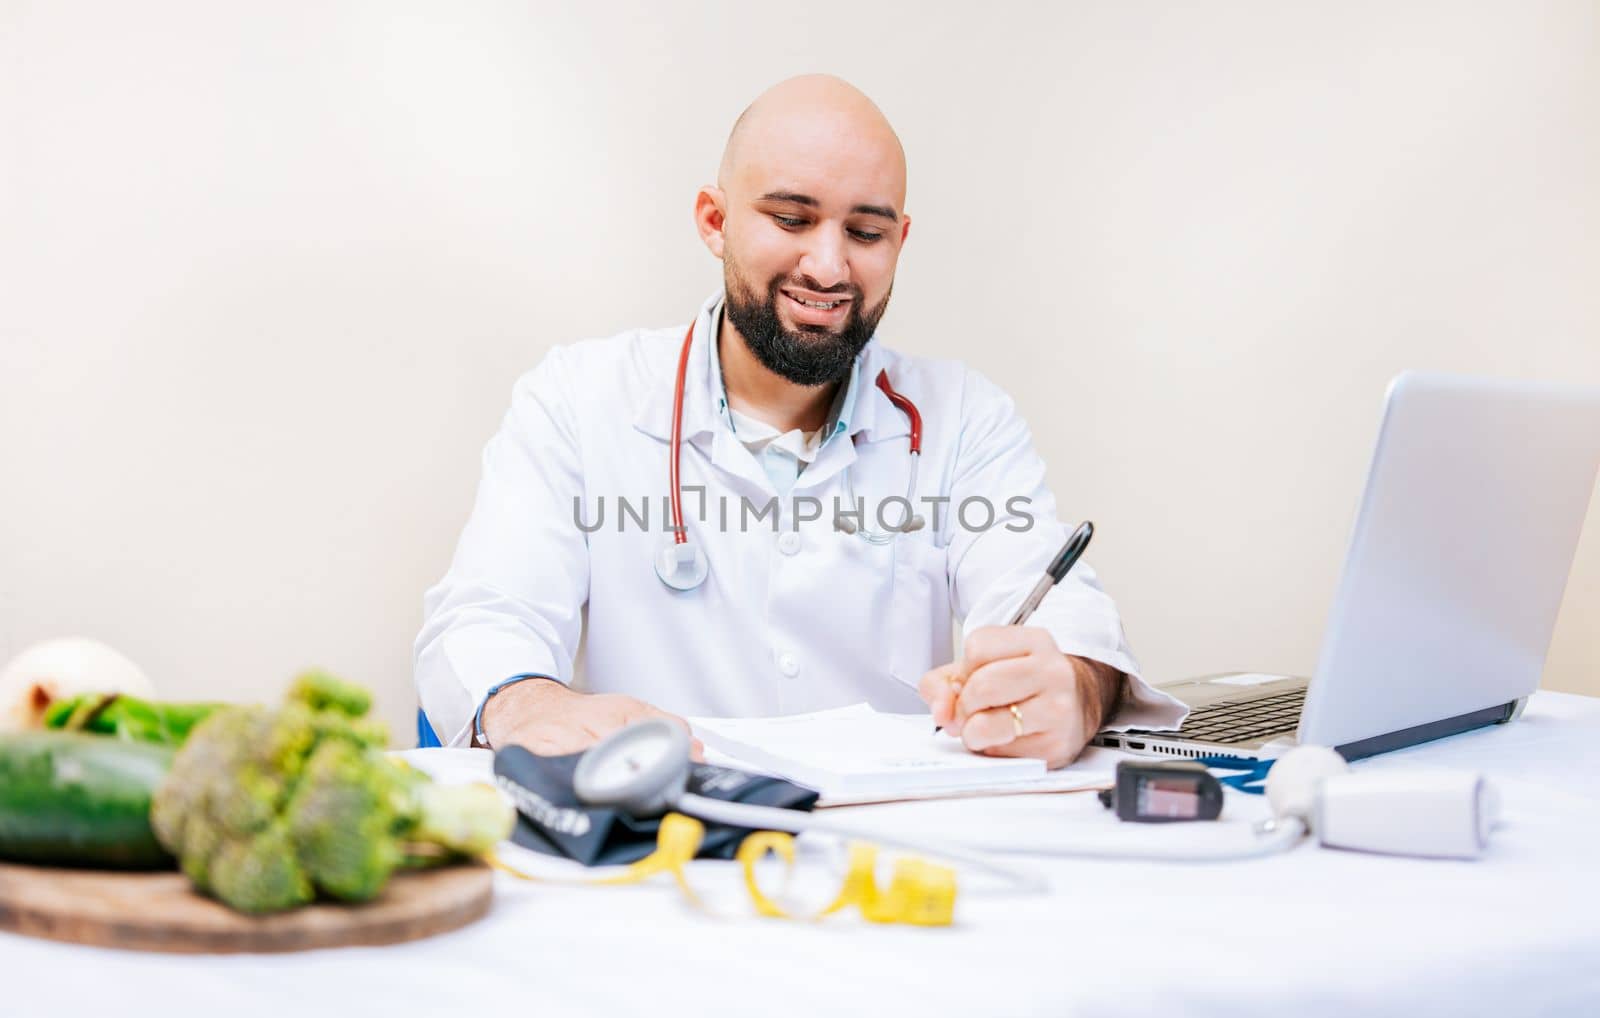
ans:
(1244, 720)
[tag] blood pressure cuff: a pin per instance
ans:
(550, 819)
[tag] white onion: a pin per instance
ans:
(57, 669)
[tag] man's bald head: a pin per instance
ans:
(809, 110)
(808, 219)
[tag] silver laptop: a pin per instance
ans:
(1460, 554)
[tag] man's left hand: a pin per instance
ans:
(1013, 693)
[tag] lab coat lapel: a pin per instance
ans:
(875, 418)
(872, 419)
(705, 430)
(730, 457)
(655, 410)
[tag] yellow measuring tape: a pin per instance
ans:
(919, 893)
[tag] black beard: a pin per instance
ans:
(813, 356)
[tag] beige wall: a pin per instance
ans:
(266, 279)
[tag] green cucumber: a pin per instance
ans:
(69, 799)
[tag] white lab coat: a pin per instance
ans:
(802, 619)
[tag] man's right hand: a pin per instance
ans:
(549, 719)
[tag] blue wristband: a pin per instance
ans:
(477, 718)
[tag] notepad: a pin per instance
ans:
(857, 753)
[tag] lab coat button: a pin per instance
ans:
(789, 543)
(788, 665)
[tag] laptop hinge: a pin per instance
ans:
(1427, 733)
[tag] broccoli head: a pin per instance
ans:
(264, 809)
(323, 692)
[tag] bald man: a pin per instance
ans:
(778, 403)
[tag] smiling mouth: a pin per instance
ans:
(818, 305)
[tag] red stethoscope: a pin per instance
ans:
(682, 564)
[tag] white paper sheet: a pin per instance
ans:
(855, 752)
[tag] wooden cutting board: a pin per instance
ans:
(161, 912)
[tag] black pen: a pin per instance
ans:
(1059, 567)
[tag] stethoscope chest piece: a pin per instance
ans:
(682, 566)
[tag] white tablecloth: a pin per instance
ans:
(1311, 932)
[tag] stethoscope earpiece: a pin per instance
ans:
(845, 525)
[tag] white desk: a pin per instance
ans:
(1312, 932)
